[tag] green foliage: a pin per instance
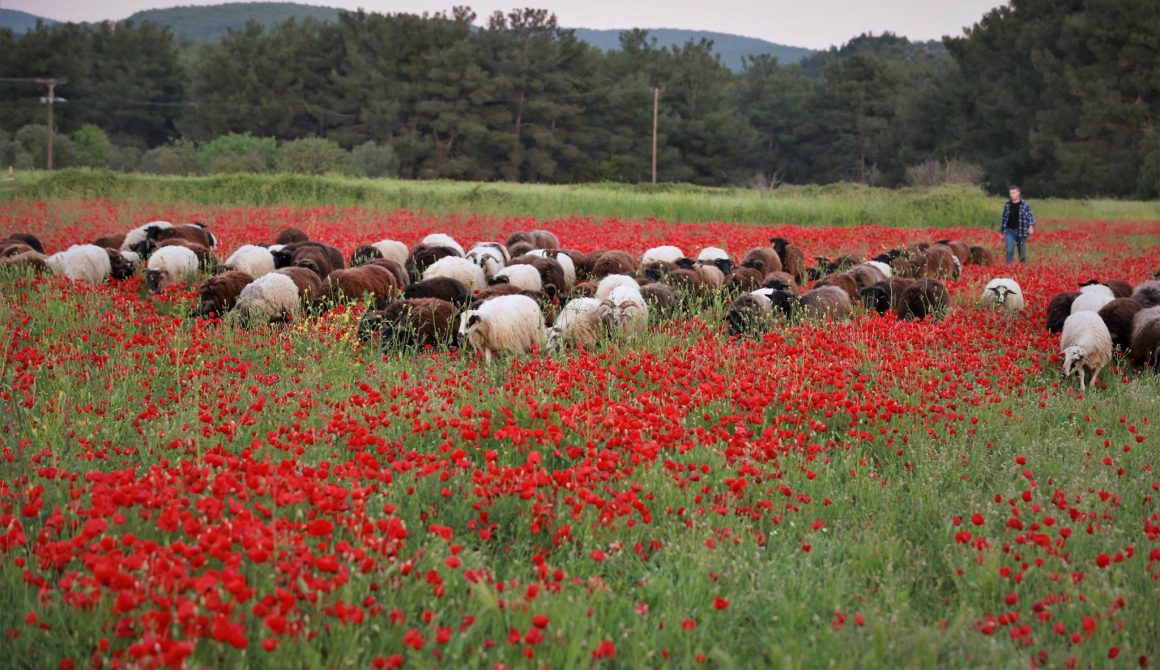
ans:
(312, 155)
(178, 158)
(91, 146)
(237, 152)
(33, 148)
(375, 160)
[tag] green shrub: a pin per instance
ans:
(33, 141)
(179, 158)
(91, 146)
(313, 155)
(238, 153)
(375, 160)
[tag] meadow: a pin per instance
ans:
(181, 492)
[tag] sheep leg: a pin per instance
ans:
(487, 356)
(1096, 374)
(1082, 387)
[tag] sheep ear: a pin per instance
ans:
(472, 320)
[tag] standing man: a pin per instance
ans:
(1017, 225)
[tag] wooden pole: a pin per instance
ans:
(51, 83)
(656, 107)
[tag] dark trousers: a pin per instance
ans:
(1014, 241)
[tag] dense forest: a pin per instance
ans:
(1062, 97)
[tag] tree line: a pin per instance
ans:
(1062, 97)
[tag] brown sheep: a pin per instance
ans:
(14, 248)
(865, 275)
(1059, 309)
(1117, 316)
(1146, 337)
(763, 259)
(290, 236)
(218, 294)
(308, 282)
(925, 298)
(744, 279)
(520, 248)
(424, 255)
(394, 268)
(120, 268)
(545, 239)
(350, 285)
(114, 241)
(885, 296)
(979, 255)
(320, 257)
(794, 264)
(842, 281)
(780, 281)
(661, 299)
(361, 255)
(519, 237)
(32, 260)
(939, 263)
(155, 236)
(26, 238)
(551, 273)
(614, 263)
(959, 249)
(1120, 288)
(443, 288)
(416, 322)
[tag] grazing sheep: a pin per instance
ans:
(1004, 292)
(743, 280)
(751, 312)
(318, 256)
(1059, 309)
(509, 323)
(1148, 293)
(780, 281)
(826, 302)
(442, 288)
(827, 266)
(491, 257)
(13, 248)
(629, 310)
(614, 263)
(442, 240)
(1146, 337)
(520, 248)
(251, 259)
(763, 259)
(29, 260)
(170, 265)
(518, 237)
(884, 268)
(552, 277)
(959, 248)
(711, 254)
(842, 281)
(926, 297)
(423, 256)
(32, 241)
(461, 269)
(1086, 345)
(137, 235)
(584, 323)
(307, 281)
(82, 262)
(661, 299)
(155, 236)
(120, 267)
(664, 254)
(1120, 288)
(272, 298)
(566, 264)
(866, 274)
(354, 284)
(417, 322)
(288, 236)
(205, 258)
(793, 259)
(396, 269)
(523, 277)
(979, 255)
(218, 294)
(545, 239)
(940, 263)
(392, 250)
(885, 296)
(611, 282)
(1092, 297)
(1118, 316)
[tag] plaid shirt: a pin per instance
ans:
(1026, 218)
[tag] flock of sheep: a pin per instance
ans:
(528, 292)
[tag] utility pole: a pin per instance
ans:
(50, 100)
(656, 107)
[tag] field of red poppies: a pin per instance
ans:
(177, 492)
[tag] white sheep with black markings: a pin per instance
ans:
(1086, 344)
(137, 235)
(629, 310)
(170, 265)
(1004, 292)
(523, 277)
(253, 260)
(269, 298)
(490, 256)
(459, 269)
(506, 324)
(884, 268)
(1091, 298)
(583, 322)
(565, 261)
(442, 240)
(661, 254)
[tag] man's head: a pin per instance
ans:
(1014, 192)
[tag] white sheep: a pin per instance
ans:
(460, 269)
(608, 284)
(393, 250)
(271, 297)
(629, 310)
(1004, 292)
(1085, 344)
(663, 254)
(132, 256)
(82, 262)
(253, 260)
(1091, 298)
(170, 265)
(441, 240)
(508, 323)
(138, 234)
(523, 277)
(884, 268)
(565, 262)
(489, 256)
(710, 254)
(582, 323)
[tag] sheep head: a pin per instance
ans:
(157, 280)
(779, 245)
(1074, 358)
(1001, 293)
(283, 258)
(309, 264)
(876, 298)
(725, 265)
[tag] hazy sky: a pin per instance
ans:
(809, 23)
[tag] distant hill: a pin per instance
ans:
(732, 48)
(20, 22)
(209, 23)
(887, 46)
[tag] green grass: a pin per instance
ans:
(833, 205)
